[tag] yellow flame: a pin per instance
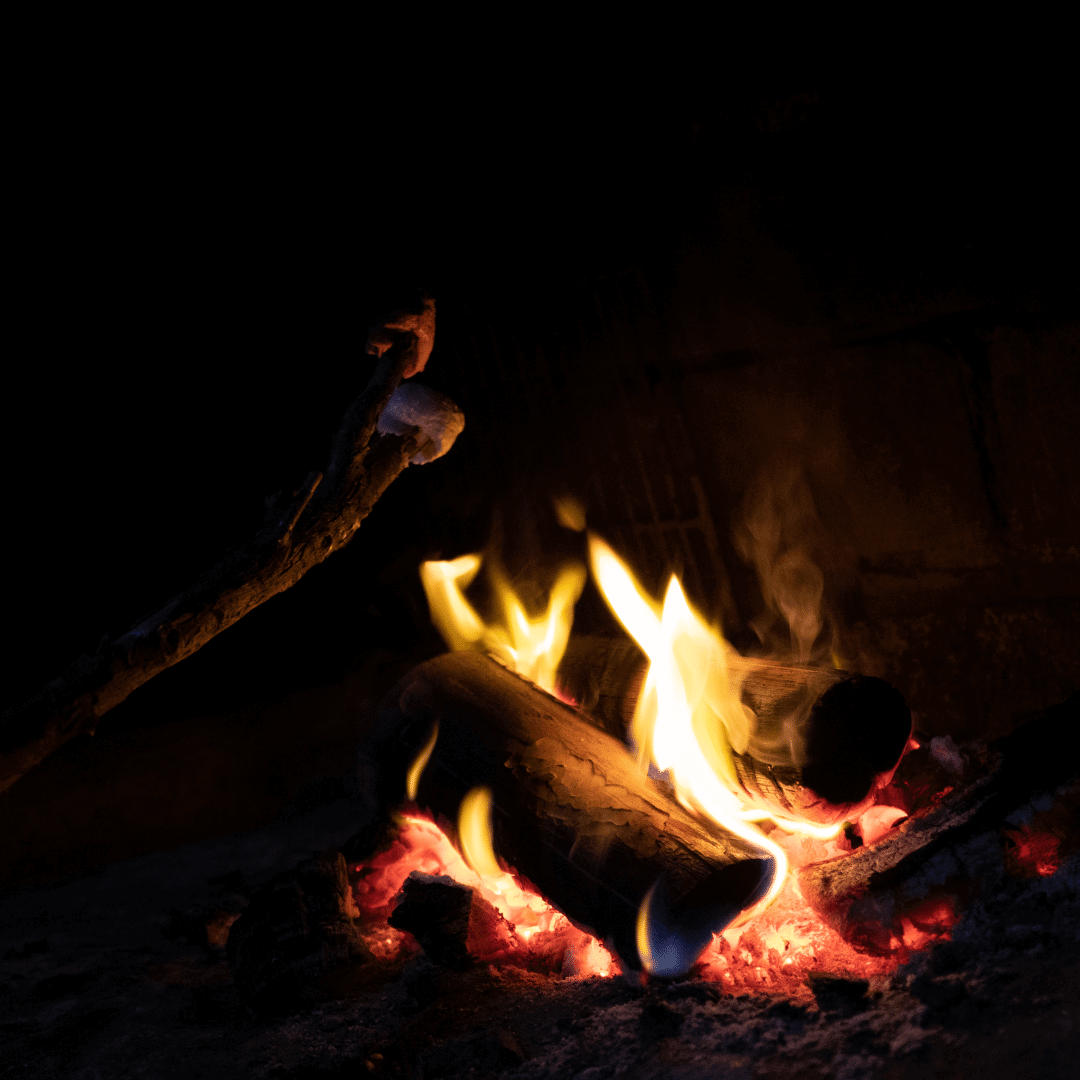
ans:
(451, 613)
(689, 716)
(642, 930)
(416, 769)
(474, 831)
(819, 832)
(532, 647)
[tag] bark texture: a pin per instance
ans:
(823, 740)
(298, 533)
(572, 812)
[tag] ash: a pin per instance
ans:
(122, 974)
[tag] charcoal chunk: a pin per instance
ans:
(442, 914)
(435, 909)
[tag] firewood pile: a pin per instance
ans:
(559, 783)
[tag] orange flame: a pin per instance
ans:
(532, 647)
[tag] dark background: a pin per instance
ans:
(875, 278)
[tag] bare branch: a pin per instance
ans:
(322, 517)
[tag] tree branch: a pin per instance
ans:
(322, 517)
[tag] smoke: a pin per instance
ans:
(780, 534)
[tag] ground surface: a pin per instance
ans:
(105, 976)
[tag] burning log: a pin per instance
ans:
(907, 886)
(297, 534)
(572, 812)
(822, 742)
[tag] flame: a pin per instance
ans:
(452, 614)
(689, 716)
(532, 647)
(474, 831)
(641, 933)
(416, 769)
(570, 512)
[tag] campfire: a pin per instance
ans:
(742, 920)
(647, 812)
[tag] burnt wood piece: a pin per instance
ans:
(297, 929)
(442, 914)
(572, 812)
(951, 849)
(823, 741)
(298, 533)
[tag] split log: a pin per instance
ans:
(297, 534)
(941, 856)
(823, 741)
(572, 812)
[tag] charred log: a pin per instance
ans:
(572, 813)
(941, 856)
(298, 929)
(823, 741)
(298, 533)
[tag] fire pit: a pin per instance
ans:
(532, 843)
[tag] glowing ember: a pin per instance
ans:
(775, 950)
(778, 949)
(1033, 852)
(925, 923)
(531, 646)
(539, 939)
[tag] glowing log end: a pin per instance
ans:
(671, 936)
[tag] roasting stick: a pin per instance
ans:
(298, 533)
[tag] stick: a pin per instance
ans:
(572, 812)
(320, 518)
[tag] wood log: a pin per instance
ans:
(823, 741)
(297, 534)
(572, 812)
(951, 849)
